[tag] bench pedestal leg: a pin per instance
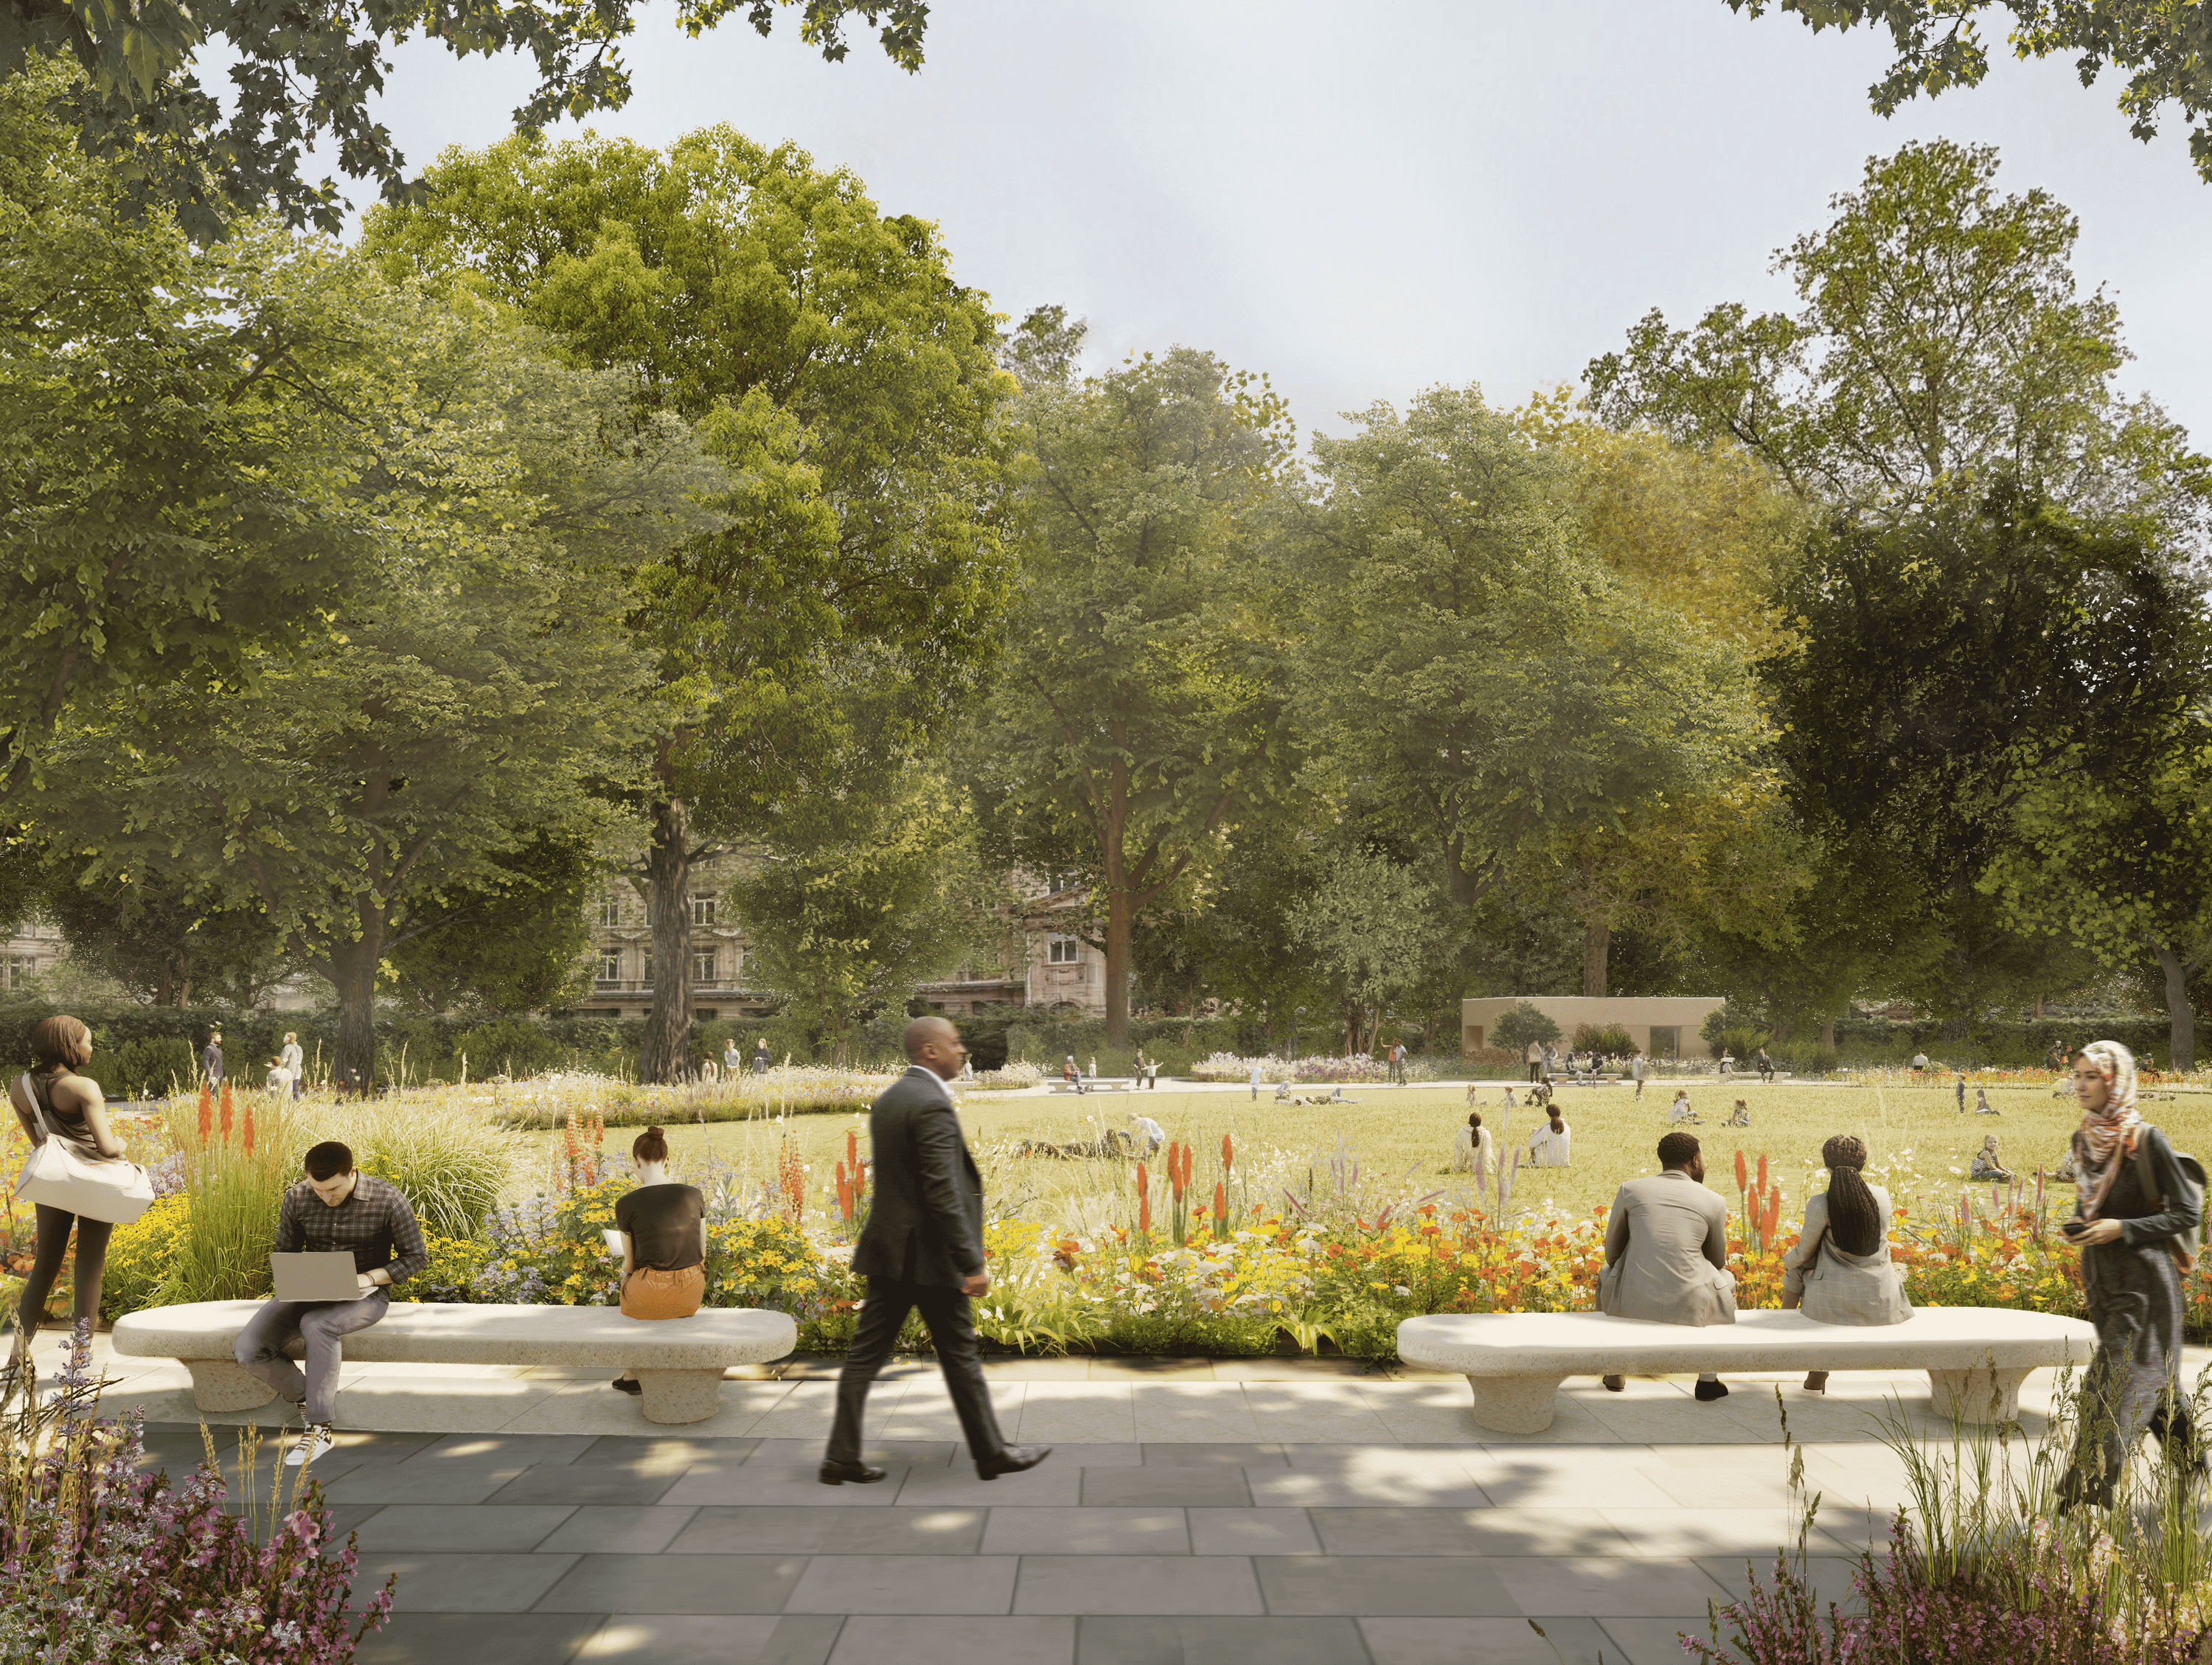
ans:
(1980, 1395)
(222, 1384)
(679, 1396)
(1516, 1404)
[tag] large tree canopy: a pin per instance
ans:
(2166, 47)
(1943, 348)
(307, 73)
(846, 385)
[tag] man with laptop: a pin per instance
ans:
(343, 1240)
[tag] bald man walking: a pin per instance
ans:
(922, 1247)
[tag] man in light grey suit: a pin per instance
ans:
(921, 1247)
(1666, 1251)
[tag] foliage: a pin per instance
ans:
(109, 1563)
(786, 1090)
(1939, 47)
(1942, 351)
(157, 936)
(514, 941)
(175, 454)
(313, 76)
(1609, 1040)
(1488, 680)
(152, 1068)
(482, 679)
(238, 1160)
(846, 386)
(1374, 927)
(140, 1254)
(1520, 1025)
(1140, 706)
(450, 1166)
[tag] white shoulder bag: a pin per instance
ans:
(116, 1191)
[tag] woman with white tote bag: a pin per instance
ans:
(62, 1110)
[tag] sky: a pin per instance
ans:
(1368, 198)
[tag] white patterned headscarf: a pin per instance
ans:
(2108, 1135)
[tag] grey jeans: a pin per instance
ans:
(323, 1325)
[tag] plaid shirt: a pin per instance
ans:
(375, 1222)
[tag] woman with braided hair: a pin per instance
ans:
(1840, 1272)
(2133, 1201)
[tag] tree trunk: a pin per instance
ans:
(1828, 1034)
(2181, 1017)
(668, 911)
(1121, 916)
(1597, 941)
(353, 973)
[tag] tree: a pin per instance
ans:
(1139, 709)
(1942, 670)
(1375, 928)
(311, 74)
(1482, 680)
(2123, 868)
(2166, 47)
(1046, 346)
(159, 939)
(1942, 349)
(845, 383)
(882, 894)
(515, 941)
(466, 703)
(176, 500)
(1517, 1027)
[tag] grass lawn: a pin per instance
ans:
(1402, 1139)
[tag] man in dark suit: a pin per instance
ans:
(922, 1247)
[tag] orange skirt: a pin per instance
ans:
(649, 1293)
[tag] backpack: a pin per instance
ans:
(2185, 1245)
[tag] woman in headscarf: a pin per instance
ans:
(2132, 1201)
(1840, 1272)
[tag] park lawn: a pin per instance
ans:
(1401, 1138)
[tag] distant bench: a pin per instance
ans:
(679, 1361)
(1101, 1084)
(1976, 1357)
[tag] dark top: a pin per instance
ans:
(926, 1224)
(667, 1226)
(2129, 1203)
(211, 1061)
(375, 1222)
(71, 1127)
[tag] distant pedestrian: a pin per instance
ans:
(294, 1063)
(1727, 1061)
(1257, 1072)
(1920, 1065)
(732, 1063)
(1636, 1067)
(1536, 1059)
(1764, 1066)
(211, 1058)
(1959, 1091)
(759, 1056)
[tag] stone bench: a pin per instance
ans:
(1095, 1084)
(679, 1361)
(1976, 1357)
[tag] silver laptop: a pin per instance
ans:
(316, 1276)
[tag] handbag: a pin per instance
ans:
(110, 1190)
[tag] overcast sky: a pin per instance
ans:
(1368, 196)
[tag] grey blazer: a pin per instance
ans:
(926, 1220)
(1666, 1253)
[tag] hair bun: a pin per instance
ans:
(653, 1132)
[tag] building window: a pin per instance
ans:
(646, 982)
(702, 910)
(20, 969)
(1063, 951)
(609, 912)
(610, 967)
(702, 965)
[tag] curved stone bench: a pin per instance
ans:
(679, 1361)
(1976, 1357)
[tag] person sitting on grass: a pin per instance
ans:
(1148, 1134)
(1470, 1149)
(1982, 1105)
(1550, 1145)
(1666, 1252)
(1680, 1110)
(1840, 1272)
(1741, 1115)
(663, 1233)
(332, 1209)
(1987, 1165)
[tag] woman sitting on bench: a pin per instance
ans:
(1840, 1272)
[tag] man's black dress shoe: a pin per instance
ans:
(854, 1474)
(623, 1384)
(1710, 1391)
(1012, 1460)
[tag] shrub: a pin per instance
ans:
(152, 1067)
(235, 1177)
(1603, 1038)
(516, 1049)
(1493, 1061)
(107, 1563)
(451, 1166)
(1516, 1028)
(139, 1253)
(1743, 1042)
